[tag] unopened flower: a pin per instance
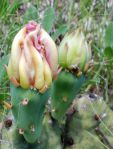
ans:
(33, 61)
(74, 51)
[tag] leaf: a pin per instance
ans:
(3, 7)
(84, 7)
(14, 6)
(49, 19)
(30, 14)
(108, 52)
(3, 61)
(3, 95)
(60, 31)
(109, 35)
(3, 89)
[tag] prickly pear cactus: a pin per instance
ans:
(28, 109)
(91, 124)
(88, 125)
(64, 89)
(74, 56)
(32, 67)
(87, 140)
(105, 128)
(90, 110)
(49, 139)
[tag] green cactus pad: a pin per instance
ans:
(91, 125)
(50, 138)
(29, 116)
(87, 140)
(90, 113)
(64, 89)
(106, 126)
(90, 110)
(19, 142)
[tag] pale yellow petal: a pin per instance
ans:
(9, 69)
(47, 73)
(27, 43)
(24, 76)
(38, 67)
(16, 51)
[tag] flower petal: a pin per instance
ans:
(50, 49)
(47, 73)
(24, 77)
(16, 51)
(38, 67)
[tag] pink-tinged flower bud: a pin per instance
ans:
(34, 58)
(74, 52)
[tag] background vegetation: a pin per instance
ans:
(94, 17)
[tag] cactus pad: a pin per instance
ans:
(64, 89)
(28, 109)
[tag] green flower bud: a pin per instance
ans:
(74, 51)
(34, 58)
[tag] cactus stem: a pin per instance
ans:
(25, 101)
(21, 131)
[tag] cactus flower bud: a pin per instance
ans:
(74, 51)
(34, 59)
